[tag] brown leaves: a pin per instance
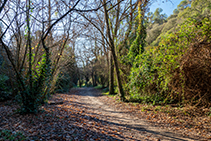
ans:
(177, 119)
(75, 120)
(67, 121)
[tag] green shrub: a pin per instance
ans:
(98, 87)
(64, 83)
(105, 90)
(9, 135)
(159, 68)
(4, 90)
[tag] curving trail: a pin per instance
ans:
(84, 114)
(126, 125)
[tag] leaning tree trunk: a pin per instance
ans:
(119, 83)
(111, 74)
(112, 48)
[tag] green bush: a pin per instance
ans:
(4, 90)
(157, 67)
(64, 83)
(9, 135)
(105, 90)
(98, 87)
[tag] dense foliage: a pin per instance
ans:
(177, 70)
(162, 74)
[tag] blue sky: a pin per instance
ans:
(166, 5)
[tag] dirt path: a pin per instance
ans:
(127, 126)
(85, 114)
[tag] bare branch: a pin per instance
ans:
(95, 27)
(72, 9)
(2, 7)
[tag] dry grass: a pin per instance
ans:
(191, 82)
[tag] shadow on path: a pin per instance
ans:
(88, 98)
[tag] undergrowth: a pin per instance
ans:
(170, 72)
(12, 136)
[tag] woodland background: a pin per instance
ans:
(52, 46)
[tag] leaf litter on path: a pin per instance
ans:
(77, 119)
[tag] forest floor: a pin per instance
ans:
(87, 114)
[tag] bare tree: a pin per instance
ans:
(37, 51)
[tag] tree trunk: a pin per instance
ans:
(119, 83)
(112, 48)
(111, 87)
(92, 75)
(111, 74)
